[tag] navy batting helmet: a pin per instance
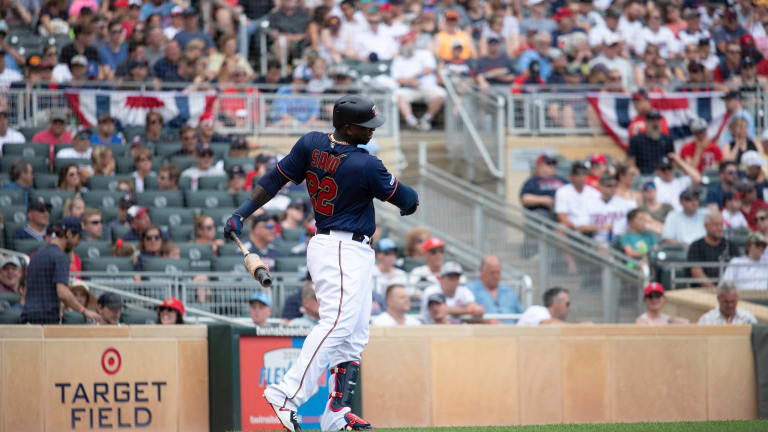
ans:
(357, 110)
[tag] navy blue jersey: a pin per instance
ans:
(49, 266)
(342, 181)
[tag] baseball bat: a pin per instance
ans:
(253, 264)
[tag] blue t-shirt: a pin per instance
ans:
(506, 300)
(148, 9)
(49, 266)
(342, 181)
(302, 109)
(111, 58)
(114, 141)
(542, 186)
(184, 37)
(640, 242)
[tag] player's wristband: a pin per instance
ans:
(246, 209)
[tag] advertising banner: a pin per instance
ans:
(264, 361)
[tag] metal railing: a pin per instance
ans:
(605, 284)
(677, 275)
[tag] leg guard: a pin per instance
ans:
(344, 383)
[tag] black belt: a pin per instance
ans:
(355, 236)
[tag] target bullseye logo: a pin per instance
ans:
(111, 361)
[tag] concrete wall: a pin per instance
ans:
(108, 378)
(501, 375)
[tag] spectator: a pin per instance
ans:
(749, 272)
(168, 176)
(170, 250)
(414, 242)
(170, 312)
(494, 296)
(294, 214)
(606, 216)
(309, 308)
(669, 187)
(494, 68)
(159, 7)
(750, 204)
(732, 216)
(712, 247)
(92, 224)
(273, 76)
(434, 248)
(414, 71)
(625, 188)
(735, 110)
(150, 244)
(206, 131)
(701, 152)
(598, 166)
(142, 160)
(21, 177)
(8, 135)
(190, 32)
(126, 202)
(105, 134)
(153, 130)
(693, 33)
(167, 68)
(235, 179)
(289, 22)
(154, 49)
(205, 166)
(451, 36)
(109, 307)
(753, 164)
(601, 32)
(115, 51)
(286, 111)
(612, 59)
(102, 161)
(398, 305)
(260, 306)
(729, 30)
(538, 192)
(83, 295)
(205, 232)
(177, 23)
(48, 277)
(647, 148)
(188, 137)
(438, 310)
(138, 220)
(727, 311)
(458, 298)
(53, 18)
(557, 303)
(69, 178)
(638, 241)
(10, 275)
(81, 147)
(38, 217)
(384, 272)
(539, 53)
(729, 175)
(643, 106)
(74, 207)
(571, 200)
(740, 143)
(7, 76)
(261, 238)
(56, 133)
(82, 45)
(537, 21)
(653, 297)
(686, 225)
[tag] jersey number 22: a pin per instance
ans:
(322, 192)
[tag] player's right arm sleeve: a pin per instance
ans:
(387, 187)
(404, 197)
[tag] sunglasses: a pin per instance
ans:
(154, 121)
(436, 251)
(95, 222)
(665, 168)
(152, 237)
(166, 309)
(761, 218)
(654, 295)
(761, 245)
(731, 172)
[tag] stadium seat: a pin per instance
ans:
(246, 163)
(27, 150)
(55, 197)
(27, 246)
(292, 235)
(219, 215)
(102, 198)
(166, 265)
(286, 247)
(291, 264)
(198, 254)
(10, 197)
(172, 216)
(11, 297)
(209, 199)
(241, 197)
(150, 183)
(72, 317)
(181, 233)
(10, 229)
(30, 131)
(59, 163)
(46, 180)
(58, 147)
(218, 183)
(112, 265)
(229, 249)
(108, 214)
(93, 249)
(160, 199)
(14, 214)
(4, 179)
(164, 150)
(232, 264)
(184, 162)
(107, 183)
(10, 316)
(39, 164)
(131, 131)
(134, 315)
(124, 165)
(119, 231)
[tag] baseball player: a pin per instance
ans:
(342, 181)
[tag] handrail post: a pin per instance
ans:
(610, 296)
(244, 39)
(544, 260)
(477, 219)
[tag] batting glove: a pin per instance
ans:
(234, 225)
(411, 210)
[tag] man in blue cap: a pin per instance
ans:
(261, 309)
(48, 277)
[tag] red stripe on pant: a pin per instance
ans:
(338, 315)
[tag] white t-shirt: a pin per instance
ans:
(687, 38)
(617, 63)
(629, 29)
(383, 280)
(411, 67)
(574, 204)
(381, 42)
(422, 274)
(71, 153)
(462, 297)
(734, 220)
(12, 136)
(9, 76)
(385, 319)
(534, 315)
(680, 227)
(669, 192)
(664, 39)
(397, 30)
(597, 35)
(613, 213)
(747, 274)
(195, 173)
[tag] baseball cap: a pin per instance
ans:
(665, 162)
(613, 13)
(173, 303)
(110, 300)
(10, 260)
(58, 115)
(653, 115)
(235, 171)
(177, 10)
(135, 212)
(690, 13)
(640, 95)
(431, 243)
(746, 40)
(134, 2)
(653, 287)
(385, 245)
(648, 186)
(545, 159)
(578, 168)
(561, 13)
(126, 201)
(752, 158)
(598, 158)
(436, 298)
(83, 133)
(190, 11)
(611, 39)
(357, 110)
(238, 143)
(203, 149)
(263, 217)
(71, 223)
(79, 60)
(39, 204)
(456, 44)
(732, 94)
(261, 297)
(34, 62)
(105, 118)
(748, 61)
(137, 63)
(755, 237)
(451, 14)
(698, 125)
(451, 267)
(495, 40)
(689, 194)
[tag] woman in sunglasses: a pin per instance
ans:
(205, 232)
(150, 244)
(653, 296)
(171, 312)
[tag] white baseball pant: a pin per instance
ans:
(342, 272)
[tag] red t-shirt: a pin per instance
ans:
(76, 265)
(711, 154)
(637, 126)
(750, 217)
